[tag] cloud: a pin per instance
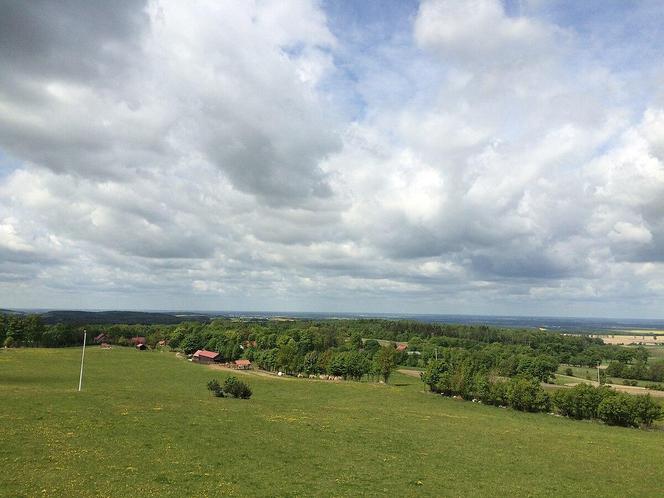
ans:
(261, 155)
(480, 31)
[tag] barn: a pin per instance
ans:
(242, 364)
(203, 356)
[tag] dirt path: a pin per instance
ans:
(409, 373)
(255, 373)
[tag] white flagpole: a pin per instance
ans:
(80, 379)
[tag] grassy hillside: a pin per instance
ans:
(146, 425)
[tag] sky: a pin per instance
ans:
(442, 156)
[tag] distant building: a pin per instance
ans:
(203, 356)
(135, 341)
(141, 346)
(101, 338)
(242, 364)
(402, 346)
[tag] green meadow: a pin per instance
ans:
(145, 425)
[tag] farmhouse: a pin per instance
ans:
(203, 356)
(101, 338)
(242, 364)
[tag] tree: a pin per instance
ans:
(371, 347)
(526, 394)
(431, 375)
(237, 388)
(580, 402)
(34, 328)
(646, 410)
(385, 362)
(355, 341)
(191, 343)
(618, 409)
(311, 363)
(337, 365)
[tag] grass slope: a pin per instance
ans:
(145, 425)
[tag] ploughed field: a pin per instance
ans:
(146, 425)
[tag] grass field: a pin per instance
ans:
(145, 425)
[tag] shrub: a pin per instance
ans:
(569, 372)
(526, 394)
(646, 410)
(579, 402)
(215, 388)
(237, 388)
(495, 394)
(618, 409)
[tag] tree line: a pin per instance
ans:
(470, 380)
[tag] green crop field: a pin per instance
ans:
(145, 425)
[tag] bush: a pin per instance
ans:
(646, 410)
(526, 394)
(569, 372)
(618, 409)
(579, 402)
(215, 388)
(237, 388)
(495, 394)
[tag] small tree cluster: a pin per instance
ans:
(236, 388)
(614, 408)
(522, 392)
(232, 387)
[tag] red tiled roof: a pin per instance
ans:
(205, 354)
(242, 363)
(402, 347)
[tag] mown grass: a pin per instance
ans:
(145, 425)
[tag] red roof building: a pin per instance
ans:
(203, 356)
(242, 364)
(402, 346)
(135, 341)
(101, 338)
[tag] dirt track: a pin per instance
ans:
(258, 373)
(409, 373)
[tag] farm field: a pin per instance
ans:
(145, 425)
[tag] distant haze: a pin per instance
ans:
(477, 157)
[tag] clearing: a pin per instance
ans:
(145, 425)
